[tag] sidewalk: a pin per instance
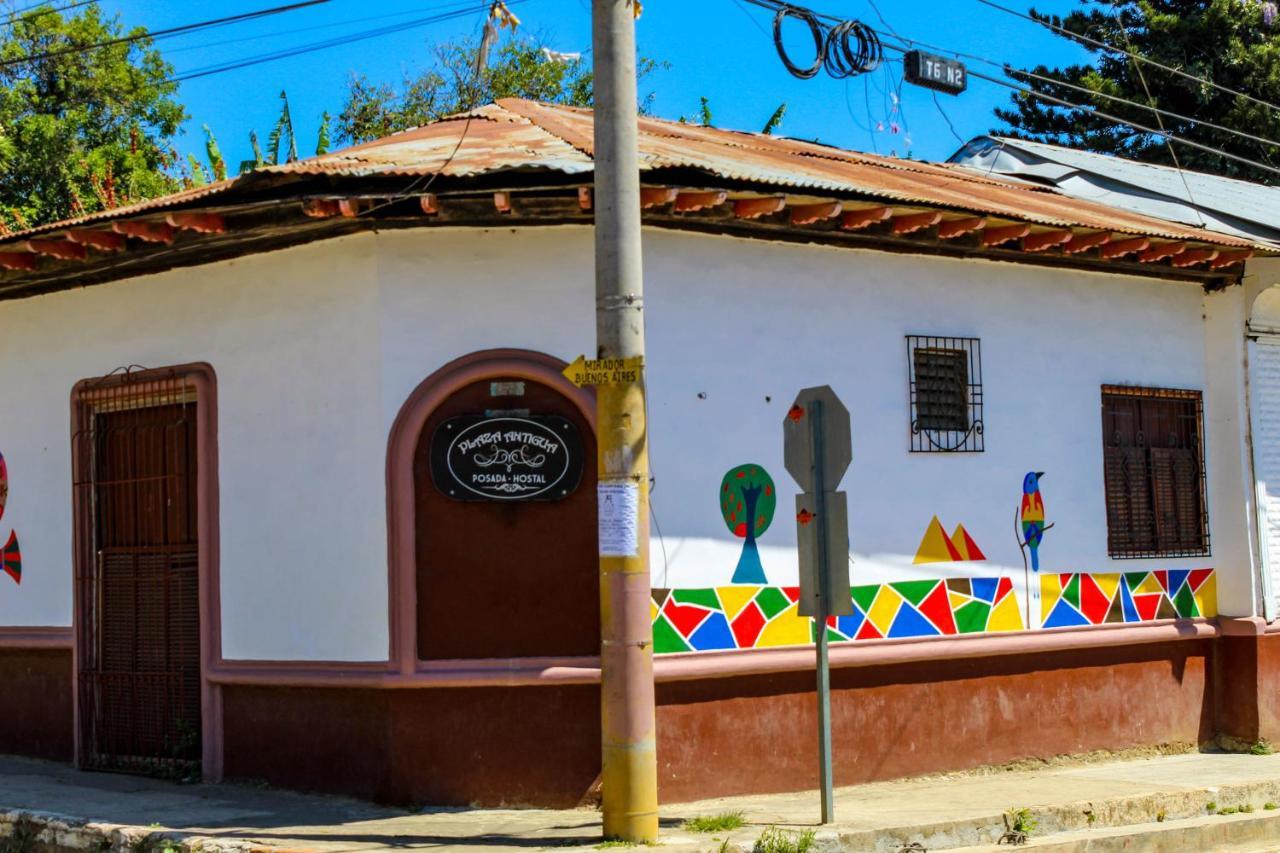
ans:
(938, 812)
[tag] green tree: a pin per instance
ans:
(1229, 42)
(748, 500)
(518, 68)
(82, 130)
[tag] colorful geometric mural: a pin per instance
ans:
(753, 617)
(10, 554)
(11, 558)
(1097, 599)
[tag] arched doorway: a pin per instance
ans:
(504, 478)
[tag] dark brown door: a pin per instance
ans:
(503, 579)
(139, 674)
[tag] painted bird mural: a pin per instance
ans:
(1031, 516)
(1028, 532)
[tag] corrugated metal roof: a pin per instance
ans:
(1230, 206)
(516, 135)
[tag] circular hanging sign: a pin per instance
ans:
(534, 457)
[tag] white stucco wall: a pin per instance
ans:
(293, 338)
(316, 348)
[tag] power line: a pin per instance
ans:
(1062, 102)
(1134, 56)
(157, 34)
(1117, 120)
(1019, 72)
(294, 31)
(1142, 78)
(298, 50)
(23, 14)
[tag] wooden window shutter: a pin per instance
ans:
(1175, 480)
(1153, 470)
(1129, 520)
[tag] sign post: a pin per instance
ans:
(817, 450)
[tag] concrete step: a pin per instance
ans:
(1166, 821)
(1244, 833)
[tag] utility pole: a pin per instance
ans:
(629, 776)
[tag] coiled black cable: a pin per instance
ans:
(851, 49)
(846, 49)
(815, 29)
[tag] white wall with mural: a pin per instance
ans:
(737, 328)
(317, 348)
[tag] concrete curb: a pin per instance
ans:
(47, 832)
(1180, 818)
(1165, 813)
(1256, 831)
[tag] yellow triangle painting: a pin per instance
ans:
(935, 547)
(965, 545)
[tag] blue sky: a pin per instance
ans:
(716, 48)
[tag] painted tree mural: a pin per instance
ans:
(748, 499)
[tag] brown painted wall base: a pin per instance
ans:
(540, 745)
(35, 703)
(714, 737)
(441, 746)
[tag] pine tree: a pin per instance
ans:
(1229, 42)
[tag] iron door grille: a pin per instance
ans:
(138, 578)
(1153, 467)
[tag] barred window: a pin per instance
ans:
(1153, 465)
(946, 394)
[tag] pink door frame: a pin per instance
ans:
(401, 446)
(201, 378)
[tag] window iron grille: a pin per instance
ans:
(1153, 468)
(945, 384)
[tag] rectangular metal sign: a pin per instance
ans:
(836, 593)
(934, 72)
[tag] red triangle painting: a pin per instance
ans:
(1198, 577)
(1147, 605)
(686, 617)
(937, 609)
(1093, 603)
(868, 632)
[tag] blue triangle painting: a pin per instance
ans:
(713, 634)
(909, 623)
(984, 589)
(1064, 616)
(849, 625)
(749, 569)
(1126, 602)
(1176, 579)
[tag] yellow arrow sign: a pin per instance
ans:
(604, 371)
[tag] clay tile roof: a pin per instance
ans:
(514, 136)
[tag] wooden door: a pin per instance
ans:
(139, 636)
(500, 579)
